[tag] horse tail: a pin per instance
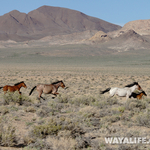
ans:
(32, 90)
(107, 90)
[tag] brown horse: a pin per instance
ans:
(138, 95)
(48, 88)
(14, 88)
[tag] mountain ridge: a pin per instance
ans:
(48, 21)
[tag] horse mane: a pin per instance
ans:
(132, 84)
(56, 82)
(18, 83)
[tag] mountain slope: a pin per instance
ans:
(46, 21)
(142, 27)
(69, 20)
(128, 40)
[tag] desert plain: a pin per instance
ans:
(79, 117)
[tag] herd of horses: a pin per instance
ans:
(128, 91)
(41, 88)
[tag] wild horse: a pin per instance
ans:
(123, 92)
(138, 95)
(15, 87)
(48, 88)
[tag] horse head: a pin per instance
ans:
(23, 84)
(62, 84)
(143, 92)
(136, 85)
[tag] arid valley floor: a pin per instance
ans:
(79, 117)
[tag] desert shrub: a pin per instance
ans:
(7, 135)
(131, 105)
(88, 111)
(85, 100)
(55, 106)
(37, 145)
(64, 133)
(55, 125)
(121, 109)
(13, 108)
(113, 118)
(77, 132)
(103, 103)
(143, 119)
(97, 145)
(129, 147)
(42, 131)
(15, 98)
(141, 104)
(4, 110)
(44, 111)
(147, 100)
(100, 104)
(89, 115)
(126, 116)
(50, 128)
(30, 109)
(112, 101)
(116, 111)
(83, 142)
(60, 143)
(63, 98)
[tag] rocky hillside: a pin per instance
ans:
(125, 39)
(140, 26)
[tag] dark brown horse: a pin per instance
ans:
(138, 95)
(14, 88)
(48, 88)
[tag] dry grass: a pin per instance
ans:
(79, 118)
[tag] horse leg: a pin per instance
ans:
(129, 93)
(40, 95)
(56, 93)
(127, 96)
(111, 95)
(5, 89)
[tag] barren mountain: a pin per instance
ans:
(48, 21)
(142, 27)
(128, 40)
(47, 26)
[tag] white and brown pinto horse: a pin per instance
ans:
(48, 88)
(123, 92)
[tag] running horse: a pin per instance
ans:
(123, 92)
(138, 95)
(14, 88)
(48, 88)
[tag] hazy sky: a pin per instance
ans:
(114, 11)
